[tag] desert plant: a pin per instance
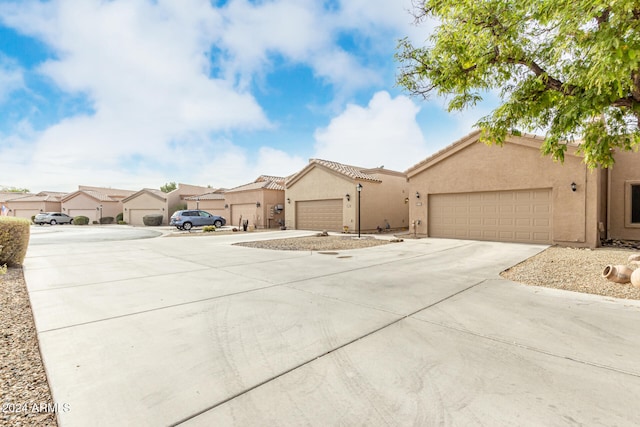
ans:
(209, 228)
(80, 220)
(119, 217)
(121, 222)
(14, 240)
(153, 219)
(3, 269)
(106, 220)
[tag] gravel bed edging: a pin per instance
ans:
(24, 392)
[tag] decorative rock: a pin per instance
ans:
(634, 257)
(635, 278)
(617, 273)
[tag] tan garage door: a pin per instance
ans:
(319, 215)
(507, 216)
(26, 213)
(246, 211)
(136, 216)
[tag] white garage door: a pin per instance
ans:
(246, 211)
(507, 216)
(319, 215)
(136, 215)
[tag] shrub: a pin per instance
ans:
(94, 222)
(121, 222)
(80, 220)
(14, 240)
(33, 219)
(106, 220)
(209, 228)
(152, 219)
(119, 217)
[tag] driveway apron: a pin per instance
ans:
(196, 331)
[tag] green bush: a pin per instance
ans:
(209, 228)
(33, 219)
(119, 217)
(152, 219)
(14, 240)
(106, 220)
(80, 220)
(121, 222)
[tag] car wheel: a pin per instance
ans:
(218, 223)
(53, 222)
(187, 226)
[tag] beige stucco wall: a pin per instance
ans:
(145, 201)
(385, 201)
(261, 215)
(317, 184)
(177, 197)
(625, 171)
(378, 200)
(518, 165)
(28, 209)
(87, 203)
(214, 207)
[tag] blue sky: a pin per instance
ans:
(137, 93)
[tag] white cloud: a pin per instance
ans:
(11, 78)
(385, 132)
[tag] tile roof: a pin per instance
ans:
(265, 185)
(36, 198)
(278, 179)
(352, 172)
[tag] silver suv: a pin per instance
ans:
(185, 220)
(52, 218)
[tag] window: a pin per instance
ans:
(635, 203)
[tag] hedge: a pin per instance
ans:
(14, 240)
(106, 220)
(80, 220)
(153, 219)
(119, 217)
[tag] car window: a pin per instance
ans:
(205, 214)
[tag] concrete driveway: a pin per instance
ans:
(197, 332)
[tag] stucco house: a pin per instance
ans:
(95, 203)
(26, 206)
(260, 202)
(212, 202)
(151, 201)
(324, 196)
(512, 193)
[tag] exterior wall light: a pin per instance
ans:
(417, 195)
(574, 187)
(226, 206)
(257, 204)
(348, 197)
(406, 200)
(288, 200)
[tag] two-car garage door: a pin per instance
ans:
(508, 216)
(319, 215)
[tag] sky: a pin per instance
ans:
(138, 93)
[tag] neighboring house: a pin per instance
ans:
(144, 202)
(94, 202)
(150, 201)
(260, 202)
(323, 196)
(512, 193)
(212, 202)
(27, 206)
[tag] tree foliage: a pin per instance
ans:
(168, 187)
(570, 68)
(14, 189)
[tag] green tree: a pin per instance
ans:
(14, 189)
(569, 68)
(168, 187)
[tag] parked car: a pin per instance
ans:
(52, 218)
(185, 220)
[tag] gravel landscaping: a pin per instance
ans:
(315, 243)
(578, 270)
(24, 391)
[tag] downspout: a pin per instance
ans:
(608, 233)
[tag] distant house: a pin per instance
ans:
(151, 201)
(324, 196)
(26, 206)
(95, 204)
(261, 203)
(212, 202)
(512, 193)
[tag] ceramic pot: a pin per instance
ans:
(617, 273)
(635, 278)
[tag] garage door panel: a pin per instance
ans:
(319, 215)
(514, 216)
